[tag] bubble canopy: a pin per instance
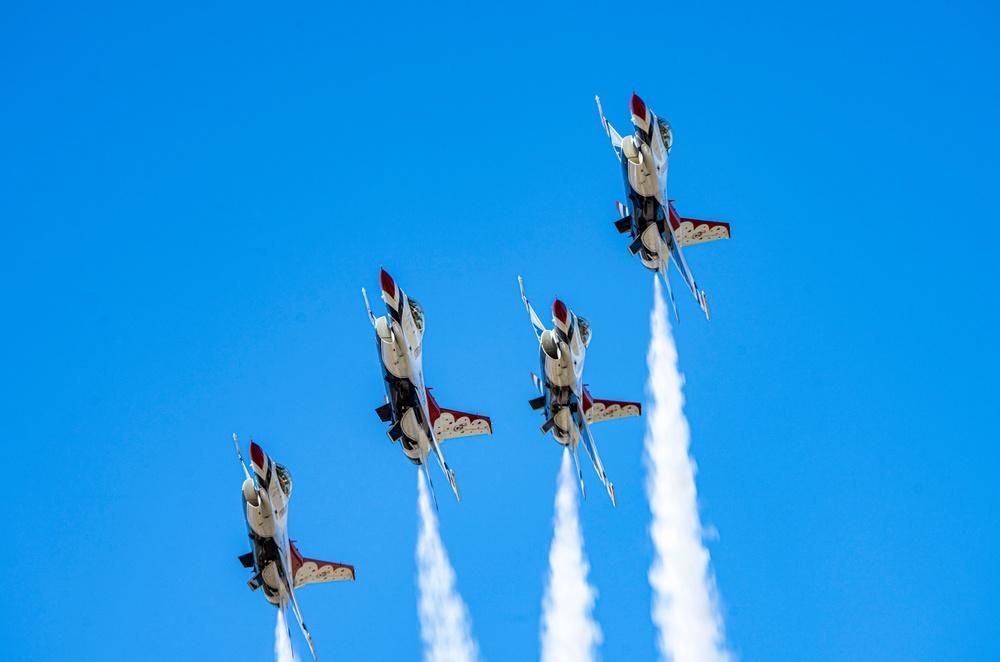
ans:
(665, 132)
(284, 479)
(418, 314)
(585, 331)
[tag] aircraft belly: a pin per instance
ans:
(260, 524)
(644, 212)
(558, 371)
(643, 180)
(394, 360)
(651, 238)
(414, 434)
(563, 419)
(270, 577)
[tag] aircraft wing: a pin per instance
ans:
(535, 322)
(588, 443)
(313, 571)
(672, 247)
(435, 447)
(452, 423)
(616, 140)
(289, 593)
(302, 624)
(695, 231)
(605, 410)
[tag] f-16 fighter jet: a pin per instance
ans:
(657, 231)
(567, 404)
(417, 421)
(279, 568)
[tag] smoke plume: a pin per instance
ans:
(444, 618)
(569, 632)
(685, 601)
(282, 644)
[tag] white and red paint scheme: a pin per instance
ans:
(658, 232)
(417, 421)
(568, 407)
(279, 568)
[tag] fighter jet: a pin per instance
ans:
(417, 421)
(645, 218)
(568, 407)
(279, 568)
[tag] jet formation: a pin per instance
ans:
(415, 419)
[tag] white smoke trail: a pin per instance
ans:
(569, 632)
(444, 618)
(685, 601)
(282, 644)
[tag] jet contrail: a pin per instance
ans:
(444, 618)
(685, 601)
(569, 631)
(282, 644)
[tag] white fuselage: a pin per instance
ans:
(402, 358)
(564, 376)
(267, 517)
(647, 177)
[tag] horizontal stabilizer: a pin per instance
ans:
(256, 581)
(624, 225)
(247, 560)
(636, 244)
(384, 412)
(548, 425)
(537, 403)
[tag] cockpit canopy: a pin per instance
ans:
(585, 331)
(418, 314)
(665, 132)
(284, 479)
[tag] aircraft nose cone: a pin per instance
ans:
(388, 285)
(257, 455)
(560, 312)
(638, 107)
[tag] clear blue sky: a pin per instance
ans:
(192, 196)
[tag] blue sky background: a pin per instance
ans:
(192, 196)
